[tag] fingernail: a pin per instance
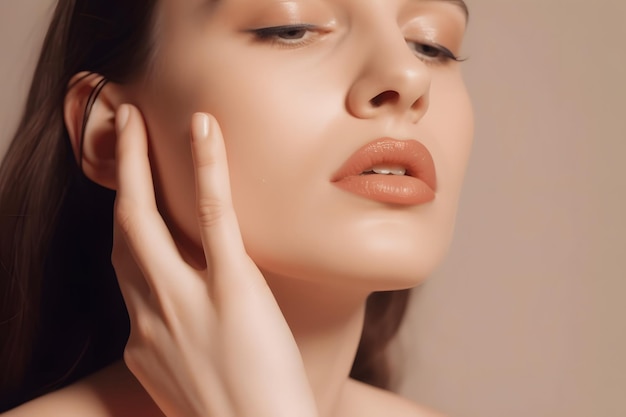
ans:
(201, 126)
(123, 114)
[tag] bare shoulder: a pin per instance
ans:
(368, 401)
(112, 392)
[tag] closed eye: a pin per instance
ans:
(286, 35)
(437, 54)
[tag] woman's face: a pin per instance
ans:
(298, 86)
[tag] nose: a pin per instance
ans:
(392, 80)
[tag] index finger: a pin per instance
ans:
(221, 236)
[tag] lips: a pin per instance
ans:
(416, 186)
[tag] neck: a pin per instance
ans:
(326, 322)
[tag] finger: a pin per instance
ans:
(135, 205)
(130, 277)
(219, 229)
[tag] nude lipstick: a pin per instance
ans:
(390, 171)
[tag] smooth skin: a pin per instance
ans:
(222, 319)
(254, 210)
(225, 321)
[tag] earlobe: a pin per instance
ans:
(89, 113)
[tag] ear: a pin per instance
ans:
(94, 149)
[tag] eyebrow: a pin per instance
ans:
(459, 3)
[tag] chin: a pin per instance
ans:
(399, 270)
(362, 268)
(395, 259)
(376, 251)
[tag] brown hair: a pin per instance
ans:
(61, 312)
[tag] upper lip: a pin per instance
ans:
(409, 154)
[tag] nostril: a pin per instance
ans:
(388, 96)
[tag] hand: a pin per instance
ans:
(209, 342)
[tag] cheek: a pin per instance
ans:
(168, 117)
(293, 221)
(272, 147)
(175, 185)
(450, 122)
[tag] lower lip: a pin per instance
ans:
(388, 189)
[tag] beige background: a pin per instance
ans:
(526, 317)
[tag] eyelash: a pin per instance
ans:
(435, 53)
(273, 34)
(431, 53)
